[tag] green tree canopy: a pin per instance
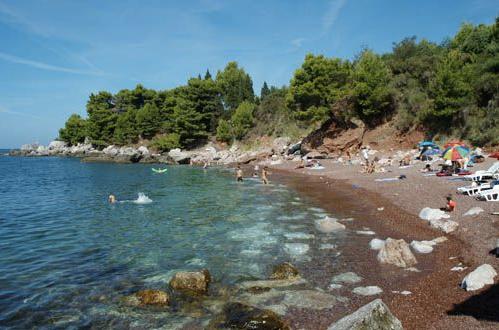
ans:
(235, 85)
(74, 131)
(371, 90)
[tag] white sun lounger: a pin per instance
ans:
(491, 195)
(474, 190)
(483, 175)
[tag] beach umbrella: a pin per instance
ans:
(431, 152)
(455, 153)
(453, 143)
(423, 144)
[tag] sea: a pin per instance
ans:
(68, 257)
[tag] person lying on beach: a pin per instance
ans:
(427, 168)
(451, 205)
(239, 174)
(111, 199)
(265, 180)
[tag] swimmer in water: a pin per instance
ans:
(111, 199)
(265, 180)
(239, 174)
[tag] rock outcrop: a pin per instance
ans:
(396, 252)
(191, 282)
(179, 156)
(373, 316)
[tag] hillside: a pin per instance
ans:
(419, 89)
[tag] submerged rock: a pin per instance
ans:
(396, 252)
(191, 282)
(153, 297)
(241, 316)
(284, 271)
(480, 277)
(368, 290)
(310, 299)
(349, 277)
(373, 316)
(296, 249)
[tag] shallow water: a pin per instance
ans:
(67, 256)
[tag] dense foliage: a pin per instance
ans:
(450, 88)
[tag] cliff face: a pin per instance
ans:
(334, 138)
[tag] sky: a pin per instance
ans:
(55, 53)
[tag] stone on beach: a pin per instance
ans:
(367, 290)
(376, 244)
(284, 271)
(191, 282)
(473, 211)
(373, 316)
(153, 297)
(422, 246)
(430, 214)
(349, 277)
(329, 225)
(396, 252)
(447, 226)
(480, 277)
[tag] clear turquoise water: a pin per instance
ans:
(67, 256)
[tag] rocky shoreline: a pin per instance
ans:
(276, 151)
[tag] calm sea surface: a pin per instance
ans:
(67, 257)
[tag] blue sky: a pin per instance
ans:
(54, 53)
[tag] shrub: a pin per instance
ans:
(166, 142)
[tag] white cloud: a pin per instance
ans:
(11, 17)
(17, 113)
(332, 14)
(45, 66)
(298, 42)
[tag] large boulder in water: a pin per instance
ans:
(153, 297)
(373, 316)
(179, 156)
(480, 277)
(241, 316)
(191, 282)
(396, 252)
(284, 271)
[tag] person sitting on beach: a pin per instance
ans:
(239, 174)
(111, 199)
(406, 161)
(451, 205)
(265, 180)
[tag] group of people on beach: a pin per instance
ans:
(263, 176)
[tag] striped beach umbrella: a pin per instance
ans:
(454, 143)
(455, 153)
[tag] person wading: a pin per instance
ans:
(239, 174)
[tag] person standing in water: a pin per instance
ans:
(265, 180)
(111, 199)
(239, 174)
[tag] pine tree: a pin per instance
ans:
(207, 75)
(265, 91)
